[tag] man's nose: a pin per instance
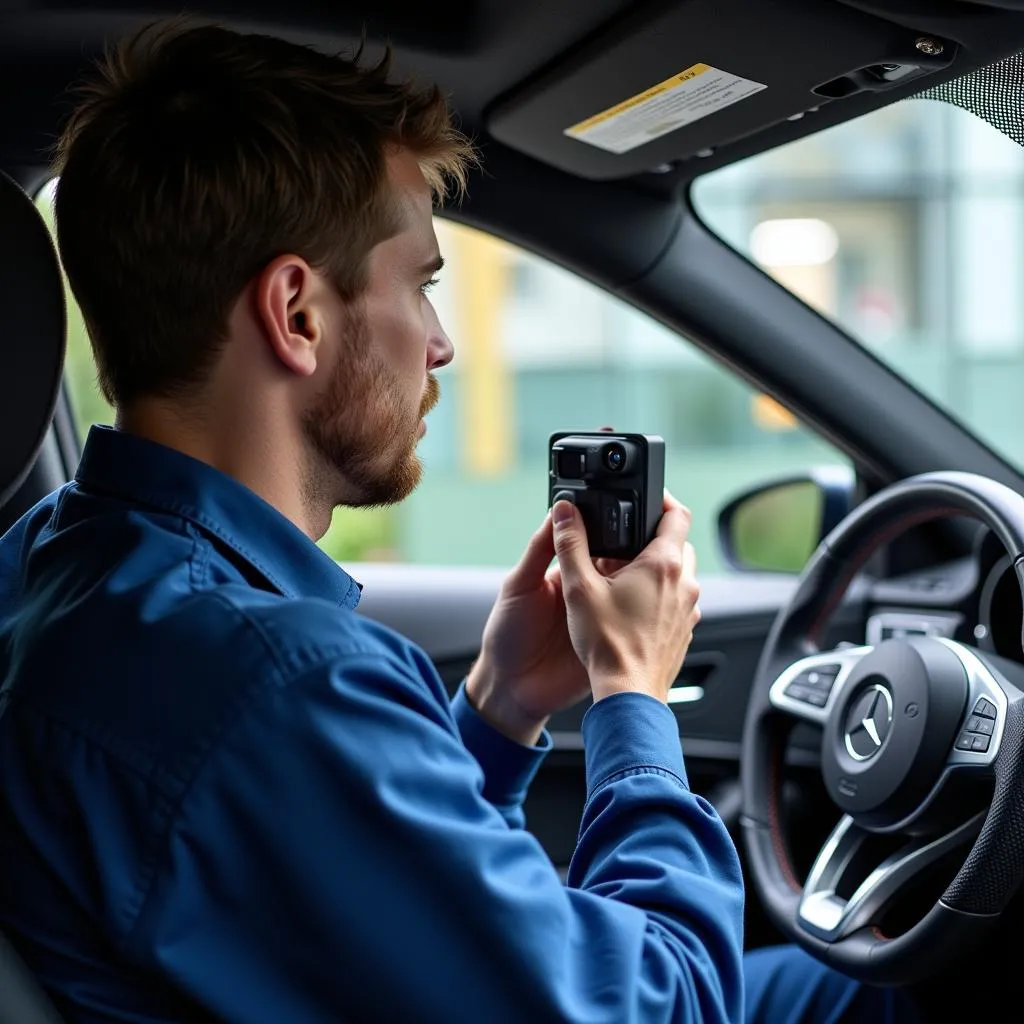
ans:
(440, 350)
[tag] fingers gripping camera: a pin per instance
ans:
(617, 481)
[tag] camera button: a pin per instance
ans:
(627, 510)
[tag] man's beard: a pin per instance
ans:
(363, 431)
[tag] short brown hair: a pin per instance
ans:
(196, 156)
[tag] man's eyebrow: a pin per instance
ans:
(432, 266)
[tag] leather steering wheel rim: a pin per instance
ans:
(994, 868)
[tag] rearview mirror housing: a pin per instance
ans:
(776, 526)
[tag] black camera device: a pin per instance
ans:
(617, 481)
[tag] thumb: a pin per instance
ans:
(571, 543)
(529, 572)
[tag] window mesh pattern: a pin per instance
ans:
(995, 93)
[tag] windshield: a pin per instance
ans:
(905, 227)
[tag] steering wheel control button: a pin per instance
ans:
(888, 738)
(985, 708)
(983, 725)
(976, 736)
(813, 685)
(822, 674)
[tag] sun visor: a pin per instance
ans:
(702, 73)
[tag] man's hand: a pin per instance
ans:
(528, 668)
(631, 627)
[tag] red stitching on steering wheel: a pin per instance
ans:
(871, 543)
(775, 816)
(864, 551)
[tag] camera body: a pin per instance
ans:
(617, 481)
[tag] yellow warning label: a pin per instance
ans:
(683, 76)
(682, 99)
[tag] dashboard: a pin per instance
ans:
(1000, 609)
(975, 599)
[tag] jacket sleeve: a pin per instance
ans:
(508, 767)
(337, 859)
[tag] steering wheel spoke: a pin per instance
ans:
(825, 913)
(980, 736)
(810, 687)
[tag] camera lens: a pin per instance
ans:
(615, 457)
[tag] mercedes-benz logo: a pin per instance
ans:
(868, 723)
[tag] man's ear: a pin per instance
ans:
(288, 305)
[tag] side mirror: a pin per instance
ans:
(777, 526)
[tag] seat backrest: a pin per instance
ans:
(32, 339)
(33, 332)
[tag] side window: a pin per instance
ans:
(87, 401)
(904, 227)
(539, 350)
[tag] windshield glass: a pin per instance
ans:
(905, 227)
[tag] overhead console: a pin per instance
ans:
(696, 75)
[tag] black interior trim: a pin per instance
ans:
(794, 73)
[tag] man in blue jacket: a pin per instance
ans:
(226, 796)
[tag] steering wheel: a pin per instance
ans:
(912, 730)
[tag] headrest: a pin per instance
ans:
(33, 333)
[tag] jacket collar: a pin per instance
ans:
(126, 466)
